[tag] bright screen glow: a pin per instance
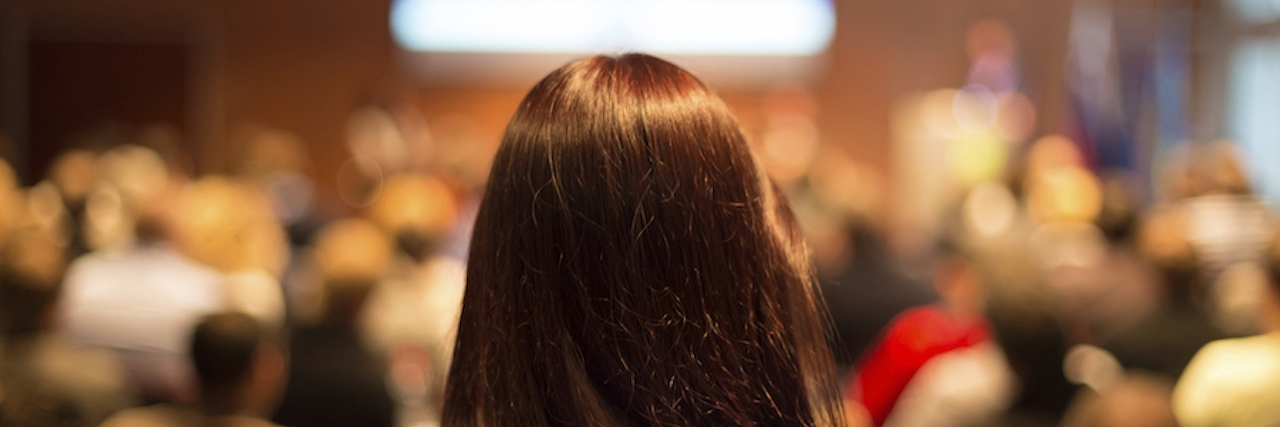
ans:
(698, 27)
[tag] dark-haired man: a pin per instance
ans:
(240, 371)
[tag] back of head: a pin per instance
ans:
(223, 348)
(630, 265)
(228, 224)
(140, 177)
(1028, 327)
(417, 209)
(1163, 241)
(351, 256)
(957, 277)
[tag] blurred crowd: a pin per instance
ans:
(1053, 286)
(1047, 290)
(1053, 296)
(1059, 299)
(120, 254)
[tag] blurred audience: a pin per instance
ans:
(1137, 400)
(418, 302)
(1163, 342)
(277, 163)
(240, 369)
(1236, 382)
(1229, 227)
(1121, 286)
(1028, 327)
(46, 380)
(334, 380)
(128, 278)
(72, 176)
(142, 300)
(412, 314)
(228, 224)
(865, 289)
(962, 387)
(920, 334)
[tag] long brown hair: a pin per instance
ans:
(630, 265)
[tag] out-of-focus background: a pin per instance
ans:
(1124, 81)
(1050, 174)
(1128, 83)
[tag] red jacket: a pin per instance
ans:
(912, 338)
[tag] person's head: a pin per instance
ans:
(957, 279)
(631, 265)
(351, 255)
(32, 265)
(137, 179)
(1118, 217)
(1027, 325)
(73, 173)
(1163, 242)
(238, 364)
(1224, 169)
(419, 210)
(227, 223)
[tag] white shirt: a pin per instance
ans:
(143, 302)
(1231, 383)
(958, 388)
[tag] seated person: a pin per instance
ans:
(142, 302)
(239, 368)
(920, 334)
(1236, 382)
(1164, 341)
(333, 379)
(46, 379)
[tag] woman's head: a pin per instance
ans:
(631, 266)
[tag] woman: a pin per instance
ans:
(631, 266)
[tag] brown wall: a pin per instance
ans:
(884, 50)
(302, 65)
(299, 65)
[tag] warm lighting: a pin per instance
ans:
(1092, 366)
(1016, 119)
(1068, 245)
(990, 210)
(790, 143)
(937, 111)
(359, 181)
(1053, 151)
(1070, 194)
(977, 157)
(975, 108)
(737, 27)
